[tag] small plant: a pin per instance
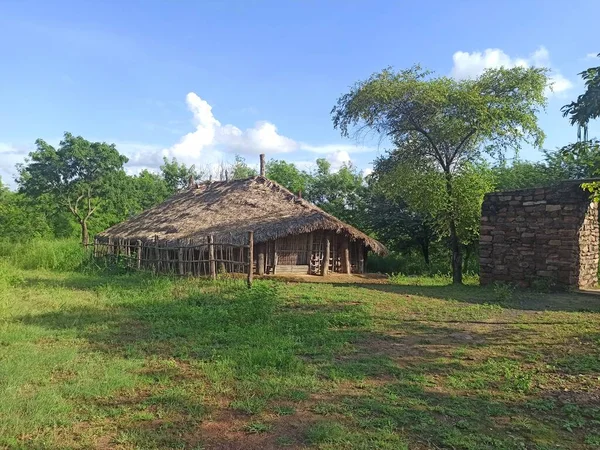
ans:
(257, 428)
(284, 410)
(249, 406)
(545, 285)
(503, 292)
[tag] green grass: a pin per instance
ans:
(132, 361)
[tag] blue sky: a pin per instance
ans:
(145, 74)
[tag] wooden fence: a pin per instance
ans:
(205, 258)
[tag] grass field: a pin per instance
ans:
(140, 362)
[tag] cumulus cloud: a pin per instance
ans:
(10, 155)
(470, 65)
(212, 142)
(209, 145)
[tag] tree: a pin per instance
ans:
(578, 160)
(177, 175)
(289, 176)
(522, 175)
(391, 221)
(440, 125)
(587, 105)
(73, 175)
(20, 218)
(240, 170)
(339, 193)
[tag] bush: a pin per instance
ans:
(414, 264)
(50, 254)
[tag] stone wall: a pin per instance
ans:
(547, 233)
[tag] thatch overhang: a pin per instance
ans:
(228, 210)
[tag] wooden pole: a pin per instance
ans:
(157, 252)
(250, 257)
(138, 263)
(262, 165)
(309, 250)
(361, 258)
(260, 262)
(211, 258)
(180, 258)
(325, 267)
(275, 256)
(346, 255)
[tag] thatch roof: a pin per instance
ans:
(228, 210)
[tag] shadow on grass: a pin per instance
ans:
(522, 299)
(434, 384)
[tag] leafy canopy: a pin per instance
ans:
(587, 105)
(444, 120)
(75, 175)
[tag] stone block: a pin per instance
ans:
(550, 208)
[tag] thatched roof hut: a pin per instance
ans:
(288, 230)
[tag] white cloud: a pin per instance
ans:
(470, 65)
(338, 159)
(591, 56)
(10, 155)
(209, 146)
(212, 142)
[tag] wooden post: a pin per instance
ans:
(347, 266)
(361, 258)
(260, 261)
(138, 263)
(180, 258)
(251, 257)
(157, 252)
(309, 250)
(262, 165)
(325, 267)
(211, 258)
(275, 256)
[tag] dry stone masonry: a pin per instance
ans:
(549, 234)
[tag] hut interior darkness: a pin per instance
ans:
(289, 233)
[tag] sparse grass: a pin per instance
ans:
(134, 361)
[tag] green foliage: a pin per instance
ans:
(288, 175)
(59, 254)
(177, 175)
(240, 170)
(503, 292)
(524, 174)
(339, 193)
(136, 360)
(75, 175)
(20, 218)
(587, 105)
(440, 128)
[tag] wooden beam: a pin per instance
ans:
(260, 261)
(180, 258)
(361, 258)
(262, 165)
(325, 266)
(309, 250)
(211, 258)
(138, 246)
(275, 256)
(250, 258)
(346, 265)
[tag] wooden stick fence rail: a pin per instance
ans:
(205, 259)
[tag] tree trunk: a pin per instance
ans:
(467, 258)
(456, 255)
(454, 242)
(85, 236)
(425, 250)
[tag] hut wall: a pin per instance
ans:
(304, 253)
